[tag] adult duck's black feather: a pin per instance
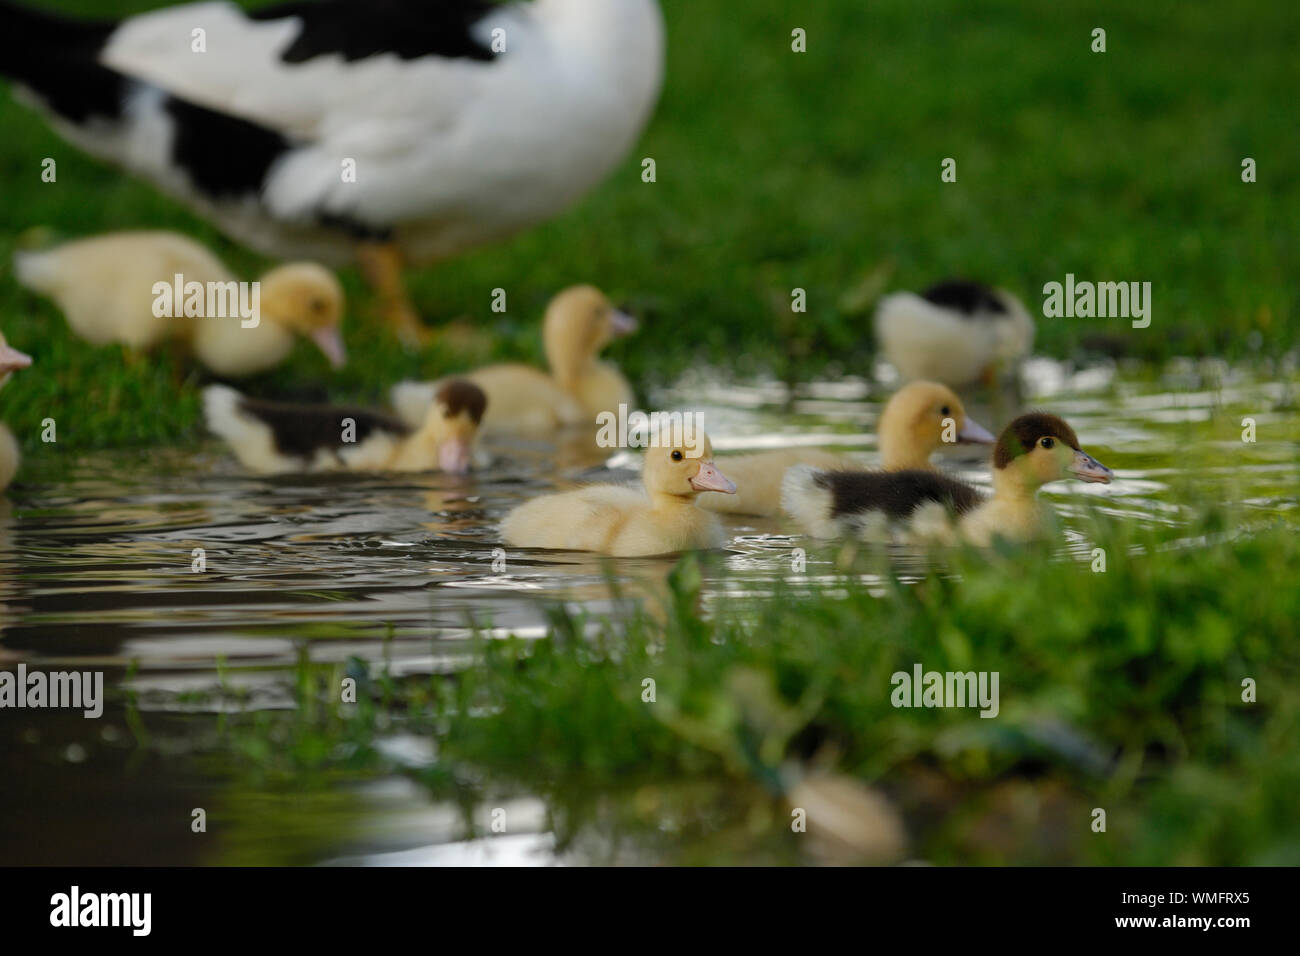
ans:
(356, 29)
(896, 494)
(224, 155)
(302, 430)
(964, 296)
(23, 29)
(78, 90)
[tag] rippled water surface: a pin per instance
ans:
(97, 571)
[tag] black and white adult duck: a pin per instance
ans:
(386, 131)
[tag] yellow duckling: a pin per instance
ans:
(917, 420)
(579, 322)
(957, 332)
(11, 360)
(919, 506)
(624, 521)
(279, 438)
(105, 286)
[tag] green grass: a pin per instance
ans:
(1119, 690)
(775, 170)
(779, 170)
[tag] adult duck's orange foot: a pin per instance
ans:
(406, 325)
(381, 264)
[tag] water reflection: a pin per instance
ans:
(97, 569)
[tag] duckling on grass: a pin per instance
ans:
(279, 438)
(957, 332)
(11, 360)
(920, 418)
(579, 322)
(105, 287)
(625, 521)
(919, 506)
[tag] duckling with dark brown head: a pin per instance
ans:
(916, 505)
(282, 438)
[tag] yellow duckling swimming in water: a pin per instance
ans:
(579, 322)
(624, 521)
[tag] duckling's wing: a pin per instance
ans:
(282, 437)
(586, 519)
(758, 478)
(302, 430)
(523, 399)
(831, 504)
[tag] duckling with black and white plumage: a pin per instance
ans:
(918, 420)
(918, 506)
(957, 332)
(283, 438)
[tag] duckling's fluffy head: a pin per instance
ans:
(917, 419)
(308, 300)
(452, 423)
(1039, 448)
(11, 360)
(580, 322)
(684, 468)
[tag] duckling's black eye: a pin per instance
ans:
(945, 411)
(677, 455)
(1047, 443)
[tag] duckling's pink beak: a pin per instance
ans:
(454, 456)
(972, 432)
(621, 323)
(11, 360)
(708, 478)
(330, 341)
(1086, 468)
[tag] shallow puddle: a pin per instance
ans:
(97, 571)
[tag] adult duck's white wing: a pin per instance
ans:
(302, 67)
